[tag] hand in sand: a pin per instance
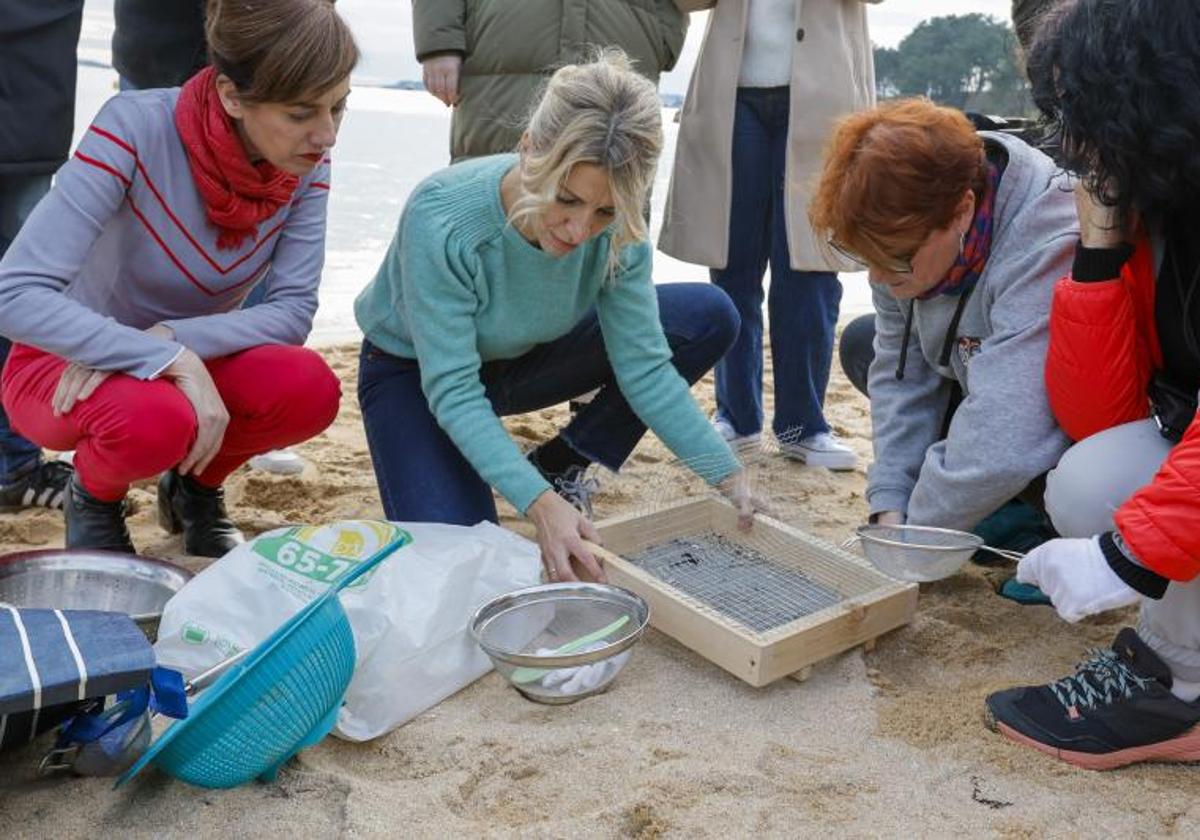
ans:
(561, 531)
(191, 376)
(736, 488)
(441, 75)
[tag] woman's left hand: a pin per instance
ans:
(76, 384)
(561, 535)
(736, 488)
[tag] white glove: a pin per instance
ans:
(1075, 577)
(582, 677)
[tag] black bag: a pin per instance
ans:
(1174, 407)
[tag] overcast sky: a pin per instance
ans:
(384, 31)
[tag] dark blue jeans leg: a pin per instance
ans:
(739, 374)
(802, 306)
(19, 194)
(17, 455)
(700, 324)
(856, 350)
(421, 474)
(257, 295)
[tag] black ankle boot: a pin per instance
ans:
(199, 512)
(92, 523)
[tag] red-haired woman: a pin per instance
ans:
(964, 235)
(123, 287)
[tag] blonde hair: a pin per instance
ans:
(603, 113)
(279, 50)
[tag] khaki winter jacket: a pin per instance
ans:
(510, 46)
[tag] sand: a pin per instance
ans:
(889, 743)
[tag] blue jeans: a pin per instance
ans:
(422, 475)
(856, 351)
(19, 194)
(257, 295)
(803, 305)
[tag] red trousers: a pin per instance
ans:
(130, 429)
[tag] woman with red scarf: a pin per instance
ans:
(122, 290)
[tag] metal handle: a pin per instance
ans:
(205, 679)
(58, 759)
(1004, 552)
(851, 542)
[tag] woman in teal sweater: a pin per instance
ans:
(516, 282)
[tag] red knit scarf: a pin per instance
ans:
(237, 194)
(976, 246)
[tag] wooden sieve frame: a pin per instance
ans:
(874, 603)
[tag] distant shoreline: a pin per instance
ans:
(669, 100)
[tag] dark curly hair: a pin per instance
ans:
(1027, 18)
(1118, 82)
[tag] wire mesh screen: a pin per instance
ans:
(760, 579)
(685, 537)
(737, 580)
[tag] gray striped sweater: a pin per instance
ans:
(122, 243)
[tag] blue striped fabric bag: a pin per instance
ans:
(57, 663)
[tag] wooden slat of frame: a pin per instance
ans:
(876, 605)
(851, 625)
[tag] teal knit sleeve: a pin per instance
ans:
(641, 359)
(439, 278)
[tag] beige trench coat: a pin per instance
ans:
(833, 74)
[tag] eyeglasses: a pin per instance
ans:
(894, 265)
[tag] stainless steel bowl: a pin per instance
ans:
(513, 628)
(83, 579)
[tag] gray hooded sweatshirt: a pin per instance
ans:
(1003, 435)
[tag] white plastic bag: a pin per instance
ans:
(409, 615)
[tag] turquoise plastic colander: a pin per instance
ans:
(283, 697)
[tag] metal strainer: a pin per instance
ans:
(540, 639)
(919, 553)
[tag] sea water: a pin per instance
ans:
(390, 141)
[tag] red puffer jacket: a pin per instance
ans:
(1103, 351)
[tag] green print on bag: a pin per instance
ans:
(328, 553)
(194, 634)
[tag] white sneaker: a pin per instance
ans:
(278, 461)
(822, 450)
(725, 430)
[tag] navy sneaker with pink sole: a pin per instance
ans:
(1116, 709)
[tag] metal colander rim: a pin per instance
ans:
(634, 605)
(970, 541)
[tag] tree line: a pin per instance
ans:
(964, 61)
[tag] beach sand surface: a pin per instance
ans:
(888, 743)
